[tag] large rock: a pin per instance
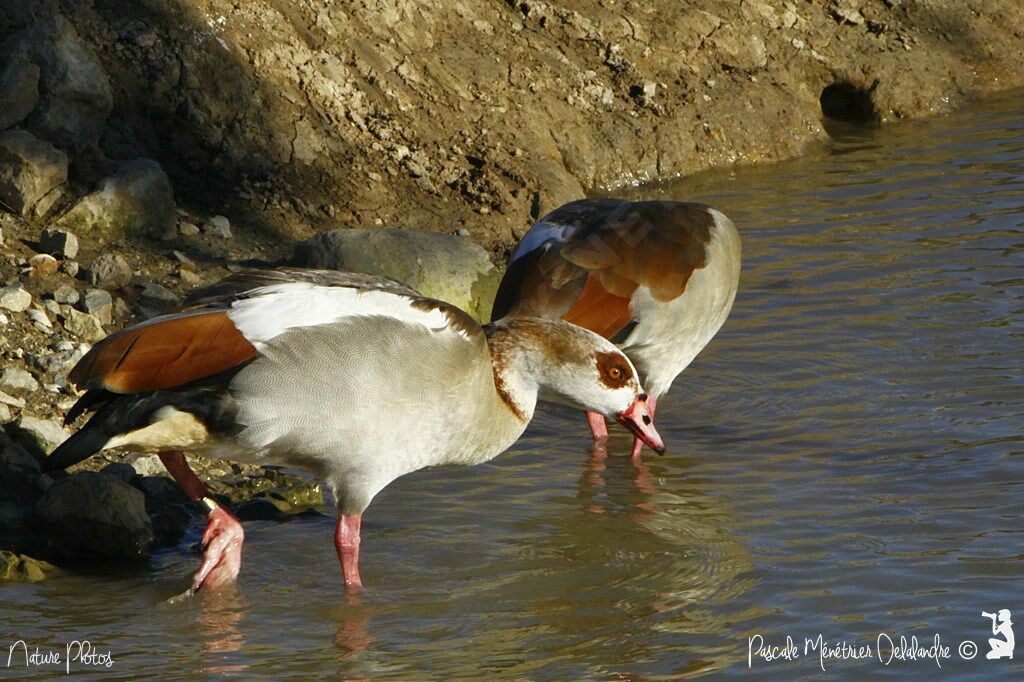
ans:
(75, 98)
(29, 169)
(19, 92)
(94, 514)
(441, 266)
(137, 199)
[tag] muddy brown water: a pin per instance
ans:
(846, 460)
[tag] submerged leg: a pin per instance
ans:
(222, 541)
(346, 541)
(652, 403)
(597, 426)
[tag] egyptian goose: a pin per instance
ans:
(656, 277)
(356, 379)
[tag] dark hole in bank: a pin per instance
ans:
(848, 103)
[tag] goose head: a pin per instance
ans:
(567, 364)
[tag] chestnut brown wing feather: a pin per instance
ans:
(167, 351)
(590, 277)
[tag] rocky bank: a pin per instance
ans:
(148, 148)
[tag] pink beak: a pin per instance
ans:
(637, 419)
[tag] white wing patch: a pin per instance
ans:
(273, 310)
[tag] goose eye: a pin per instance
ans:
(613, 370)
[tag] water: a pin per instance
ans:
(845, 460)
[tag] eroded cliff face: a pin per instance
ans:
(297, 115)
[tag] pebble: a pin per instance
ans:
(99, 304)
(188, 229)
(188, 277)
(156, 296)
(60, 243)
(51, 307)
(43, 265)
(66, 294)
(15, 298)
(84, 325)
(3, 319)
(110, 271)
(11, 400)
(149, 465)
(70, 268)
(39, 320)
(218, 226)
(18, 379)
(5, 414)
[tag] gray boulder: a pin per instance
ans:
(75, 98)
(94, 514)
(29, 169)
(137, 198)
(19, 92)
(446, 267)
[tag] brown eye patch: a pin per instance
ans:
(613, 370)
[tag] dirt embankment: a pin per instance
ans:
(295, 116)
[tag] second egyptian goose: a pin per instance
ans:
(657, 277)
(354, 378)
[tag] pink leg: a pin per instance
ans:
(597, 426)
(222, 541)
(652, 403)
(346, 541)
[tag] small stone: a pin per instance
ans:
(70, 268)
(51, 307)
(110, 271)
(18, 379)
(39, 436)
(83, 325)
(39, 320)
(463, 232)
(60, 243)
(650, 89)
(798, 44)
(218, 226)
(155, 296)
(149, 465)
(11, 400)
(5, 414)
(99, 304)
(188, 277)
(15, 298)
(43, 265)
(188, 229)
(121, 309)
(67, 294)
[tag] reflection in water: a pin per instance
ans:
(219, 618)
(845, 459)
